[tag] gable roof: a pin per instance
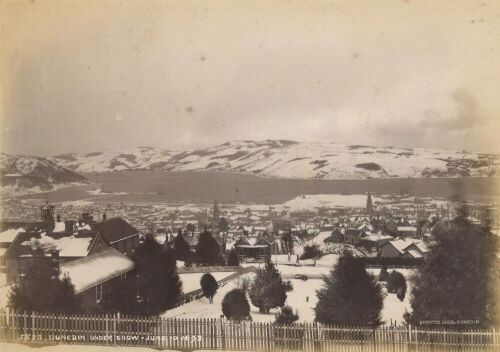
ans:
(413, 253)
(114, 229)
(401, 244)
(421, 246)
(95, 269)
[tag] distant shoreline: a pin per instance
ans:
(160, 187)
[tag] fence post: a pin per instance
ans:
(114, 327)
(409, 336)
(223, 333)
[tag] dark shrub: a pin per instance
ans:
(235, 305)
(311, 252)
(396, 281)
(286, 316)
(208, 286)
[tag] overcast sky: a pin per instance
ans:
(86, 76)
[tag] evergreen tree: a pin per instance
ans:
(287, 240)
(121, 297)
(286, 316)
(350, 296)
(209, 286)
(66, 301)
(41, 290)
(208, 251)
(235, 305)
(190, 228)
(396, 282)
(223, 225)
(158, 284)
(232, 259)
(268, 289)
(181, 247)
(460, 278)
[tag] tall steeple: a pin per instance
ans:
(369, 204)
(216, 212)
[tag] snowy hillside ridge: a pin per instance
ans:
(28, 174)
(289, 159)
(104, 161)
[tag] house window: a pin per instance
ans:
(98, 293)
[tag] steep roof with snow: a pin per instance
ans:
(402, 244)
(414, 253)
(9, 235)
(95, 269)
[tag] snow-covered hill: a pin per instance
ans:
(24, 174)
(283, 158)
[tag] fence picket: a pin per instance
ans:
(212, 334)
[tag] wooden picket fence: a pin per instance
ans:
(220, 334)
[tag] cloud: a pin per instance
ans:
(465, 116)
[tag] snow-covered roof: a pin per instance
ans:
(407, 228)
(377, 237)
(59, 227)
(95, 269)
(365, 225)
(9, 235)
(401, 244)
(252, 240)
(414, 253)
(67, 246)
(422, 246)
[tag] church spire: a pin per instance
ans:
(369, 204)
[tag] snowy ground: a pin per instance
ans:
(288, 268)
(311, 201)
(302, 299)
(191, 281)
(201, 308)
(393, 308)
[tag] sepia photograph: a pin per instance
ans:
(250, 175)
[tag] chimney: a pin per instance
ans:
(87, 218)
(68, 225)
(54, 259)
